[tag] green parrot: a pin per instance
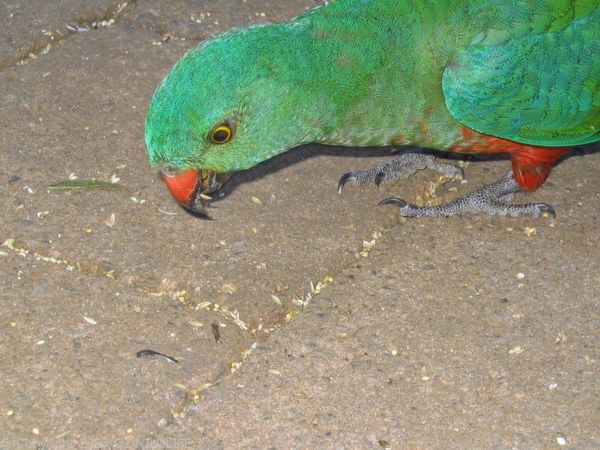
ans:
(518, 77)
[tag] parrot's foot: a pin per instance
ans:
(400, 167)
(486, 200)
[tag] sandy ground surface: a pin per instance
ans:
(298, 318)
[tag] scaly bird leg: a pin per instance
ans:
(486, 200)
(398, 168)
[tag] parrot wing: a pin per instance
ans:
(538, 88)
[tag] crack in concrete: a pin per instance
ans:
(52, 39)
(193, 394)
(70, 266)
(91, 269)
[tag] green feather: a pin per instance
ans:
(536, 88)
(376, 72)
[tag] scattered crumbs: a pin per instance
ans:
(90, 320)
(203, 305)
(35, 431)
(394, 352)
(560, 440)
(254, 230)
(256, 200)
(425, 378)
(40, 342)
(161, 423)
(516, 350)
(121, 166)
(110, 222)
(276, 299)
(553, 386)
(228, 288)
(289, 316)
(10, 413)
(520, 275)
(181, 386)
(529, 231)
(560, 338)
(129, 430)
(168, 213)
(195, 323)
(114, 179)
(274, 372)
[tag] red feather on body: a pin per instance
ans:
(531, 164)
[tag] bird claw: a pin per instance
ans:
(545, 208)
(343, 180)
(393, 201)
(485, 200)
(398, 168)
(379, 178)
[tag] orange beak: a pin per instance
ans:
(186, 187)
(183, 185)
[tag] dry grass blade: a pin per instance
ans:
(83, 184)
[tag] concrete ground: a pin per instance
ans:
(298, 318)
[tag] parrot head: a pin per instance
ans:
(224, 107)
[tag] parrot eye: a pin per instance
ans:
(221, 134)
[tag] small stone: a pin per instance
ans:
(560, 440)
